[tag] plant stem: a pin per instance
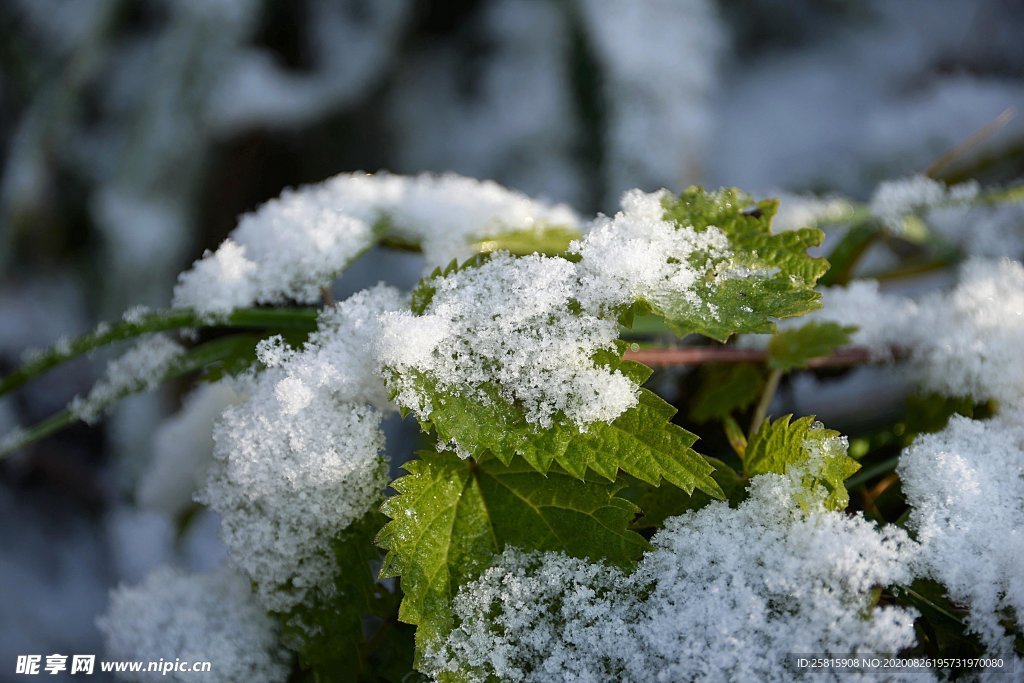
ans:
(157, 321)
(770, 386)
(196, 359)
(701, 355)
(972, 141)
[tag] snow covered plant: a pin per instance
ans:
(560, 522)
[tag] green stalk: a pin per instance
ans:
(157, 321)
(770, 386)
(199, 358)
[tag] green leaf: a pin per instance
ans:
(661, 502)
(642, 441)
(806, 447)
(792, 348)
(768, 275)
(453, 515)
(725, 389)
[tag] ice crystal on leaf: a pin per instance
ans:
(724, 595)
(508, 323)
(761, 277)
(209, 617)
(805, 451)
(641, 255)
(451, 516)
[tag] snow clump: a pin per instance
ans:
(293, 245)
(509, 324)
(208, 617)
(779, 574)
(965, 485)
(300, 459)
(640, 255)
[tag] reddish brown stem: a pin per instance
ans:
(700, 355)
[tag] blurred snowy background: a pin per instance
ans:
(135, 132)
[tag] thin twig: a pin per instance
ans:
(701, 355)
(971, 142)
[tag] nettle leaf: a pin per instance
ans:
(792, 348)
(661, 502)
(452, 515)
(643, 442)
(785, 447)
(768, 275)
(725, 389)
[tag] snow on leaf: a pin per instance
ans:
(965, 489)
(806, 451)
(293, 245)
(764, 276)
(499, 356)
(724, 590)
(451, 517)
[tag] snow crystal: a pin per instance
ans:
(141, 367)
(508, 323)
(638, 254)
(194, 617)
(894, 200)
(182, 450)
(299, 459)
(726, 594)
(293, 245)
(965, 486)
